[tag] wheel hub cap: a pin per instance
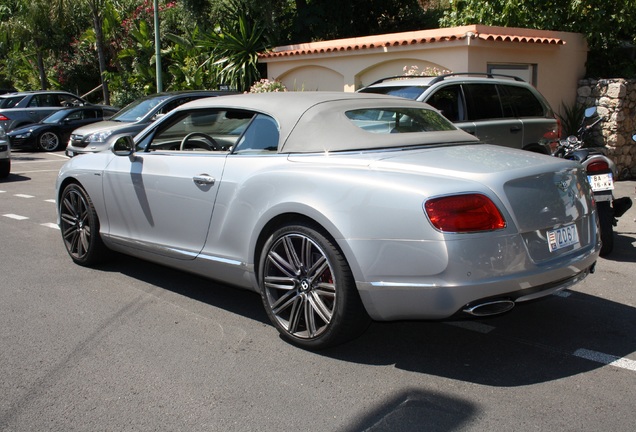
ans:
(305, 285)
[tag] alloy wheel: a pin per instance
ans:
(75, 223)
(300, 286)
(49, 141)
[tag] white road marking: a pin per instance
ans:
(23, 196)
(15, 216)
(36, 171)
(62, 156)
(16, 161)
(50, 201)
(51, 225)
(606, 359)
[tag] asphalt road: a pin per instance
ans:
(132, 346)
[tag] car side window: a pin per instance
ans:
(482, 102)
(521, 101)
(35, 101)
(92, 113)
(172, 105)
(67, 100)
(76, 115)
(47, 100)
(450, 102)
(261, 135)
(198, 130)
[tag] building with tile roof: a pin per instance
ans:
(552, 61)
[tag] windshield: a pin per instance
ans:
(55, 117)
(138, 109)
(406, 91)
(10, 101)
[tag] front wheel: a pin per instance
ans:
(48, 141)
(5, 168)
(308, 290)
(80, 227)
(606, 220)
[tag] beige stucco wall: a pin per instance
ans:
(559, 67)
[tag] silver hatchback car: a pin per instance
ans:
(497, 109)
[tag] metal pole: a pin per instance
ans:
(157, 48)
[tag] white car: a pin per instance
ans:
(337, 208)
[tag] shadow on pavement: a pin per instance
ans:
(533, 343)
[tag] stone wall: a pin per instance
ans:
(615, 100)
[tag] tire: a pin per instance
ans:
(5, 168)
(308, 290)
(606, 221)
(48, 141)
(80, 227)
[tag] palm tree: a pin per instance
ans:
(236, 45)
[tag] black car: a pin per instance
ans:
(22, 108)
(53, 132)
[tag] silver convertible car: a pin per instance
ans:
(337, 208)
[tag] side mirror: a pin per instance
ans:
(123, 146)
(589, 112)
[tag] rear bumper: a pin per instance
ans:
(444, 296)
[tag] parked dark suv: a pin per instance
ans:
(497, 109)
(22, 108)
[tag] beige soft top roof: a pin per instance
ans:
(316, 122)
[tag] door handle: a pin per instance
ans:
(515, 128)
(203, 179)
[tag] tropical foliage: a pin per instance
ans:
(609, 26)
(106, 48)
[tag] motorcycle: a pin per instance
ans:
(601, 172)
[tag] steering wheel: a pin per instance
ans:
(211, 145)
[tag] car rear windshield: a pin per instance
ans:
(399, 120)
(405, 91)
(10, 101)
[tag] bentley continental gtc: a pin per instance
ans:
(337, 208)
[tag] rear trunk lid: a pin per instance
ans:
(548, 200)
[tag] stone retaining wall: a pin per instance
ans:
(615, 100)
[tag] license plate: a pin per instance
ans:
(562, 237)
(601, 182)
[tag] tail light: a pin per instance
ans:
(464, 213)
(598, 166)
(554, 135)
(4, 117)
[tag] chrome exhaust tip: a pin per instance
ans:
(494, 307)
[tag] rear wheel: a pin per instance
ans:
(308, 290)
(48, 141)
(80, 227)
(606, 220)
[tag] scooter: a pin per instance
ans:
(601, 171)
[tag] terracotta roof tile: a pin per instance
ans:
(502, 34)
